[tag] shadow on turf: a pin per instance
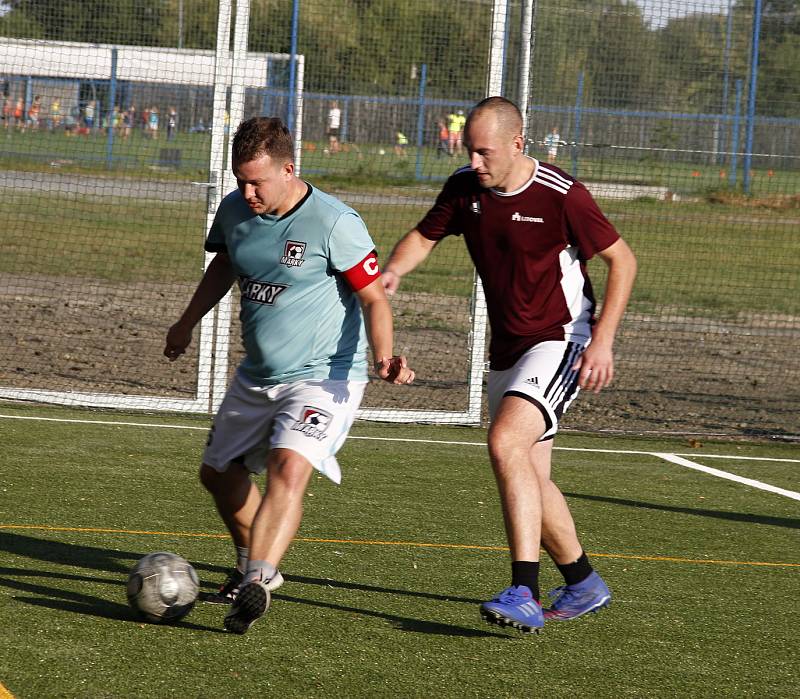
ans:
(78, 603)
(118, 563)
(109, 560)
(399, 622)
(326, 582)
(786, 522)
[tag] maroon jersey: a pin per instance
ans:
(530, 248)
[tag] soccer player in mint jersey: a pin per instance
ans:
(311, 303)
(530, 228)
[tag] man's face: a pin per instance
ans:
(493, 153)
(264, 183)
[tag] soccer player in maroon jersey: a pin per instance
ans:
(530, 228)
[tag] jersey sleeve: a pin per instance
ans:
(349, 242)
(440, 221)
(215, 242)
(588, 229)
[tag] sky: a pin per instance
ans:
(657, 12)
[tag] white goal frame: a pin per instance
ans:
(235, 71)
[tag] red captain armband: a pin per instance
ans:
(364, 273)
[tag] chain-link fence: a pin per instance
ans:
(681, 117)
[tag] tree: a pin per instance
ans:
(94, 21)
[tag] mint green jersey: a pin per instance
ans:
(300, 319)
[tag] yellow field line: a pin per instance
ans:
(411, 544)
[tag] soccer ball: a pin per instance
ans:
(162, 587)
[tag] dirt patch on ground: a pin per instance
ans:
(674, 374)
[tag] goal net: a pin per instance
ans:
(680, 116)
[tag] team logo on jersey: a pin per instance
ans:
(516, 216)
(293, 254)
(475, 207)
(313, 422)
(261, 292)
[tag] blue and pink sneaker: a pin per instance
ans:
(572, 601)
(515, 607)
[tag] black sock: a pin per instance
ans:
(526, 573)
(577, 571)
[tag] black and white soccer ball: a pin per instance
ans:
(163, 587)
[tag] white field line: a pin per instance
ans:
(102, 422)
(680, 461)
(673, 458)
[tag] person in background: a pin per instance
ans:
(443, 136)
(552, 141)
(400, 144)
(8, 113)
(55, 114)
(333, 126)
(152, 123)
(455, 128)
(172, 123)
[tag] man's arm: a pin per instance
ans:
(409, 252)
(597, 362)
(216, 282)
(378, 323)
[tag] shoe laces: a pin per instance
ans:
(511, 595)
(561, 594)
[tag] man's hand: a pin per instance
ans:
(391, 282)
(596, 367)
(394, 370)
(178, 339)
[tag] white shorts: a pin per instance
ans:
(309, 417)
(544, 376)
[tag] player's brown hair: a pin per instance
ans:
(263, 136)
(508, 116)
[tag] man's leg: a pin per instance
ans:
(237, 500)
(584, 591)
(281, 509)
(559, 536)
(236, 497)
(516, 426)
(274, 527)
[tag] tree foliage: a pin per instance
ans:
(377, 47)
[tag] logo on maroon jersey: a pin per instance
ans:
(516, 216)
(293, 254)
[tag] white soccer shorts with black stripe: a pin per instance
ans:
(544, 376)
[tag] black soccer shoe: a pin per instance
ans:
(227, 591)
(249, 606)
(230, 588)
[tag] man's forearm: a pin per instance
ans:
(216, 282)
(378, 324)
(409, 252)
(621, 275)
